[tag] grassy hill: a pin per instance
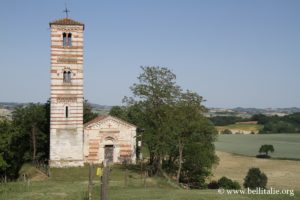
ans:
(71, 184)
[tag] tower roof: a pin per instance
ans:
(66, 21)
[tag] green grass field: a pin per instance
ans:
(71, 184)
(286, 145)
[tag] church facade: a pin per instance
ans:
(109, 138)
(71, 142)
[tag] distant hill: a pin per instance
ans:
(11, 105)
(267, 110)
(238, 111)
(248, 112)
(98, 106)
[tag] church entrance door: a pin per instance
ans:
(109, 153)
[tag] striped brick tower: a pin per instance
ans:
(66, 118)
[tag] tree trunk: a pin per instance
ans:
(33, 137)
(180, 150)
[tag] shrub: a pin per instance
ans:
(255, 178)
(226, 131)
(227, 183)
(213, 185)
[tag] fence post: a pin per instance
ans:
(126, 175)
(145, 176)
(104, 181)
(90, 187)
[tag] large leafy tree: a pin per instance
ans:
(153, 94)
(188, 126)
(33, 124)
(179, 138)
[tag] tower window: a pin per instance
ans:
(67, 112)
(67, 39)
(67, 77)
(64, 39)
(70, 39)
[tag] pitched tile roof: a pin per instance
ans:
(101, 117)
(66, 21)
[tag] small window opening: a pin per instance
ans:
(67, 112)
(64, 39)
(70, 39)
(67, 77)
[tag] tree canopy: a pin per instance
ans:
(179, 138)
(26, 137)
(266, 148)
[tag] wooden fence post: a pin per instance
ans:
(104, 182)
(90, 187)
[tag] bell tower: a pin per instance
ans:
(66, 115)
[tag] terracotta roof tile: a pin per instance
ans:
(66, 21)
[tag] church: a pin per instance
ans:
(73, 143)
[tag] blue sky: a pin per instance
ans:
(232, 52)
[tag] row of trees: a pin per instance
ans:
(172, 126)
(276, 124)
(271, 124)
(227, 120)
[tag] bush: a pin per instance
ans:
(226, 131)
(224, 183)
(255, 179)
(227, 183)
(213, 185)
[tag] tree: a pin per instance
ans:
(88, 113)
(33, 123)
(154, 93)
(266, 148)
(255, 179)
(119, 111)
(12, 148)
(185, 120)
(179, 138)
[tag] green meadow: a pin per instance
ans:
(72, 184)
(287, 146)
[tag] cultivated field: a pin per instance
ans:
(286, 145)
(282, 174)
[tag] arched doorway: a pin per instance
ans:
(109, 149)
